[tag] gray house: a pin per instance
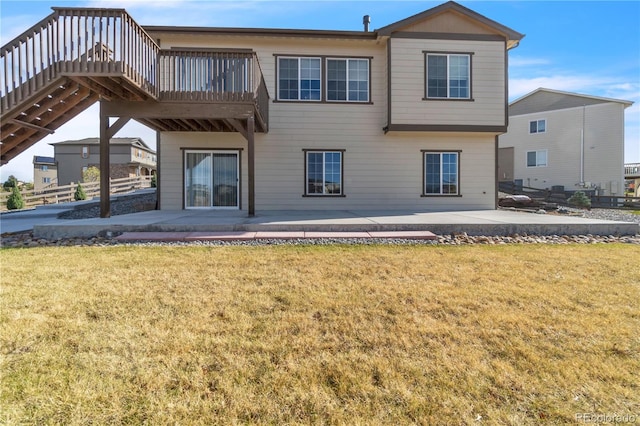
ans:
(562, 139)
(128, 157)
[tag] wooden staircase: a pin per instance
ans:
(64, 64)
(77, 56)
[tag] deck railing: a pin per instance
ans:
(81, 41)
(209, 75)
(632, 169)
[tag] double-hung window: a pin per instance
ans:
(441, 173)
(537, 158)
(323, 173)
(537, 126)
(299, 79)
(448, 76)
(348, 80)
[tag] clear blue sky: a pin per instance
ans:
(589, 47)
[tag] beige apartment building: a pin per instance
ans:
(45, 172)
(565, 140)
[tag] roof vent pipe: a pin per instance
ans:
(366, 20)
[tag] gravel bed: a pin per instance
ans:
(26, 240)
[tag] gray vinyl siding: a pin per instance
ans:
(603, 147)
(487, 106)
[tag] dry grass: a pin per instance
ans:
(322, 335)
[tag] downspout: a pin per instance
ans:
(582, 149)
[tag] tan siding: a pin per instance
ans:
(449, 23)
(603, 147)
(380, 171)
(408, 84)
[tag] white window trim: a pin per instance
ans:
(326, 78)
(299, 99)
(84, 153)
(424, 172)
(324, 164)
(426, 75)
(537, 132)
(526, 158)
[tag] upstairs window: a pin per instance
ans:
(537, 126)
(299, 79)
(348, 80)
(448, 76)
(44, 168)
(85, 152)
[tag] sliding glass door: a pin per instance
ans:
(211, 179)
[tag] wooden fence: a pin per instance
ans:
(561, 197)
(64, 194)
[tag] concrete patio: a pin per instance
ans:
(483, 222)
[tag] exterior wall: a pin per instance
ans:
(39, 174)
(70, 161)
(408, 106)
(603, 147)
(381, 171)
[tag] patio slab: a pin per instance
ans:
(482, 222)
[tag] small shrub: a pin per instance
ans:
(79, 195)
(154, 182)
(15, 201)
(580, 199)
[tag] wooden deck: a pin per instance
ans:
(74, 57)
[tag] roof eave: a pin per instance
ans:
(261, 32)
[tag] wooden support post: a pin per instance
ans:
(105, 189)
(252, 168)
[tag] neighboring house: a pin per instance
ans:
(403, 117)
(559, 139)
(128, 157)
(45, 172)
(632, 178)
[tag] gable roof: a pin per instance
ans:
(543, 99)
(511, 35)
(114, 141)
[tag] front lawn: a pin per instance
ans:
(516, 334)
